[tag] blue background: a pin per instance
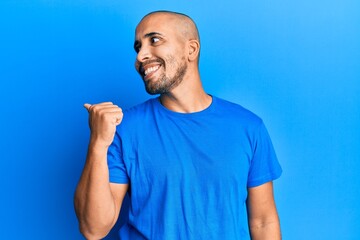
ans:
(294, 63)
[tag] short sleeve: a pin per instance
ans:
(264, 165)
(117, 168)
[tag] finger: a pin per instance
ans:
(87, 106)
(118, 120)
(99, 106)
(116, 117)
(105, 103)
(109, 108)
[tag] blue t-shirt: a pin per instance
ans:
(189, 172)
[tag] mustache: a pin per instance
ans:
(140, 65)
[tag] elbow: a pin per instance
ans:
(91, 233)
(262, 223)
(91, 229)
(265, 229)
(93, 224)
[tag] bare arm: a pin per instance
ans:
(98, 202)
(263, 218)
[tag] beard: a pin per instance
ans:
(165, 84)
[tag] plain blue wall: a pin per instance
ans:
(294, 63)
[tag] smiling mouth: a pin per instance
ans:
(149, 70)
(149, 67)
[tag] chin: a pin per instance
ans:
(151, 91)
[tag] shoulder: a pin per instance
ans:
(139, 109)
(237, 112)
(137, 115)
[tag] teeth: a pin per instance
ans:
(151, 69)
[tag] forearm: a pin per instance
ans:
(265, 230)
(94, 202)
(264, 221)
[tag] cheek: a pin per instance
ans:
(175, 58)
(170, 59)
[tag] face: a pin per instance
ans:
(160, 51)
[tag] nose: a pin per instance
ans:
(143, 54)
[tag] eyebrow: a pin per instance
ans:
(150, 34)
(147, 35)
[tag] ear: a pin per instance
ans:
(194, 49)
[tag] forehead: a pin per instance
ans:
(161, 23)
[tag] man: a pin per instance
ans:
(195, 166)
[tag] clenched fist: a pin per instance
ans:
(103, 119)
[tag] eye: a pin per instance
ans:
(154, 39)
(137, 47)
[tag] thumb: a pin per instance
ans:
(87, 106)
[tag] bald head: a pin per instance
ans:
(185, 26)
(168, 47)
(167, 32)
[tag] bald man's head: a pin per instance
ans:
(184, 24)
(167, 46)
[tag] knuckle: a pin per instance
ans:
(104, 115)
(117, 107)
(94, 108)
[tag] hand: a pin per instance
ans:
(103, 119)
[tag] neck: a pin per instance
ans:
(188, 97)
